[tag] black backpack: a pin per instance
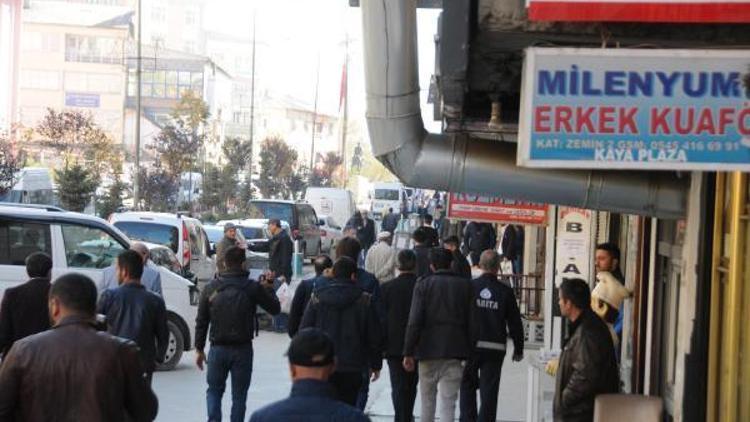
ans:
(232, 314)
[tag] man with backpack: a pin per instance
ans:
(348, 315)
(227, 305)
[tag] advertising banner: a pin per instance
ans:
(495, 210)
(694, 11)
(635, 109)
(74, 99)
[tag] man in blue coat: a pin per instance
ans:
(311, 363)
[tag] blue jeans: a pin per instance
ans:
(222, 361)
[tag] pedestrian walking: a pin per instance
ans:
(348, 315)
(136, 314)
(312, 361)
(587, 365)
(460, 264)
(433, 238)
(355, 223)
(23, 311)
(227, 307)
(381, 260)
(397, 297)
(422, 251)
(390, 221)
(151, 279)
(478, 237)
(512, 246)
(323, 275)
(495, 314)
(229, 240)
(438, 335)
(66, 373)
(368, 283)
(280, 250)
(366, 233)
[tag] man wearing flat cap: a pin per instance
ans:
(229, 240)
(381, 260)
(311, 363)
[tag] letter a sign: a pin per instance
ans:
(573, 247)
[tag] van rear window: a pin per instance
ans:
(160, 234)
(386, 194)
(272, 210)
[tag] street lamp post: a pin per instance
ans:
(136, 170)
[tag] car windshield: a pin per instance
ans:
(386, 194)
(160, 234)
(271, 210)
(253, 232)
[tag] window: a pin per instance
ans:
(190, 18)
(20, 239)
(387, 194)
(89, 247)
(158, 14)
(40, 42)
(166, 84)
(89, 49)
(198, 240)
(278, 210)
(93, 82)
(40, 79)
(160, 234)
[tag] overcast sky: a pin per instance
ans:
(297, 32)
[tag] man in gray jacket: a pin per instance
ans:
(438, 335)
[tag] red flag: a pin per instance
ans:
(344, 83)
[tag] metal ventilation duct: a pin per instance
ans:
(457, 163)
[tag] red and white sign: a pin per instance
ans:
(495, 210)
(685, 11)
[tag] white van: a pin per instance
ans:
(87, 245)
(386, 195)
(184, 235)
(332, 202)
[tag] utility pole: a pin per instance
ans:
(252, 109)
(315, 115)
(345, 123)
(137, 169)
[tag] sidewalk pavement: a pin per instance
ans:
(182, 392)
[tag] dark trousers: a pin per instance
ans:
(223, 361)
(482, 372)
(403, 390)
(347, 385)
(364, 391)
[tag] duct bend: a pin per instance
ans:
(458, 163)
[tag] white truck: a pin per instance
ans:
(332, 202)
(385, 195)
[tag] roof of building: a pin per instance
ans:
(78, 14)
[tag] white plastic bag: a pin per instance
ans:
(285, 293)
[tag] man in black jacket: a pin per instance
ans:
(134, 313)
(587, 365)
(433, 238)
(478, 237)
(281, 250)
(23, 311)
(460, 264)
(366, 233)
(348, 315)
(495, 313)
(390, 221)
(397, 296)
(439, 335)
(228, 305)
(422, 251)
(323, 265)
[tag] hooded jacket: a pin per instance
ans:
(348, 315)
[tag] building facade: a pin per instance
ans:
(10, 37)
(73, 57)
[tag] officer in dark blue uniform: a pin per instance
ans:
(496, 314)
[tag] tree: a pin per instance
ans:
(325, 175)
(76, 185)
(177, 147)
(297, 182)
(112, 201)
(87, 151)
(11, 162)
(247, 193)
(159, 188)
(191, 111)
(277, 164)
(237, 152)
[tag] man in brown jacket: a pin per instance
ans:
(72, 372)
